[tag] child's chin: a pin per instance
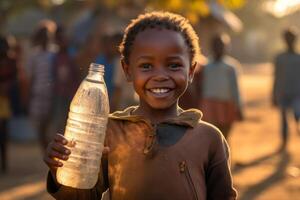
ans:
(161, 106)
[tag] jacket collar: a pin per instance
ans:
(188, 117)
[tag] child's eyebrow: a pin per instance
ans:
(149, 57)
(175, 57)
(144, 57)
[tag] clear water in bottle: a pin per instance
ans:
(86, 125)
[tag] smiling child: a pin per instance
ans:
(158, 151)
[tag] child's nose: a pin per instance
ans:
(161, 74)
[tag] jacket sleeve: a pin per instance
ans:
(218, 177)
(64, 192)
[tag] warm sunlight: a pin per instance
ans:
(282, 8)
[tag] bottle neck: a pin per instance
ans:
(96, 73)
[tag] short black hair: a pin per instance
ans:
(165, 20)
(290, 34)
(220, 38)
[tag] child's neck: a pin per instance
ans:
(157, 115)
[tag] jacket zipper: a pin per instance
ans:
(184, 169)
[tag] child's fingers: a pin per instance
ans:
(52, 163)
(60, 148)
(55, 154)
(61, 139)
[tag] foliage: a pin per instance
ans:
(193, 9)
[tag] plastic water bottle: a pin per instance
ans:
(86, 126)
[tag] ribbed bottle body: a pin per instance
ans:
(86, 126)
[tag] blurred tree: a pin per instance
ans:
(192, 9)
(232, 4)
(198, 6)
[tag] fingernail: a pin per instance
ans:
(65, 141)
(60, 164)
(72, 143)
(67, 151)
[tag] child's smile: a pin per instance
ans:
(159, 67)
(160, 92)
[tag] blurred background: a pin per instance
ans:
(46, 49)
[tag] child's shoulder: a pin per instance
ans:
(208, 129)
(193, 117)
(202, 133)
(210, 135)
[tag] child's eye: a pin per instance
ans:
(145, 66)
(174, 66)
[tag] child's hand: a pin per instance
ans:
(57, 150)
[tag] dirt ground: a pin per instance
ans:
(259, 171)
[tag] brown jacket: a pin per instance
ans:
(139, 168)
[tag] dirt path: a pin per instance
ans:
(263, 175)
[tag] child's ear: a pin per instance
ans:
(192, 71)
(126, 70)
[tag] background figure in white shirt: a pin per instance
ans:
(221, 103)
(39, 70)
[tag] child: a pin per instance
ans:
(221, 103)
(157, 150)
(286, 88)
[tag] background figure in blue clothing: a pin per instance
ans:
(286, 88)
(107, 58)
(221, 101)
(66, 80)
(123, 94)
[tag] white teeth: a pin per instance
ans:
(160, 90)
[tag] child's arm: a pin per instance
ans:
(219, 179)
(56, 151)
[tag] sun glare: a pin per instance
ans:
(281, 8)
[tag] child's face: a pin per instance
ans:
(159, 67)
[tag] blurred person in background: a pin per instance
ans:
(39, 70)
(286, 88)
(8, 73)
(221, 103)
(123, 94)
(18, 90)
(107, 58)
(87, 54)
(66, 80)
